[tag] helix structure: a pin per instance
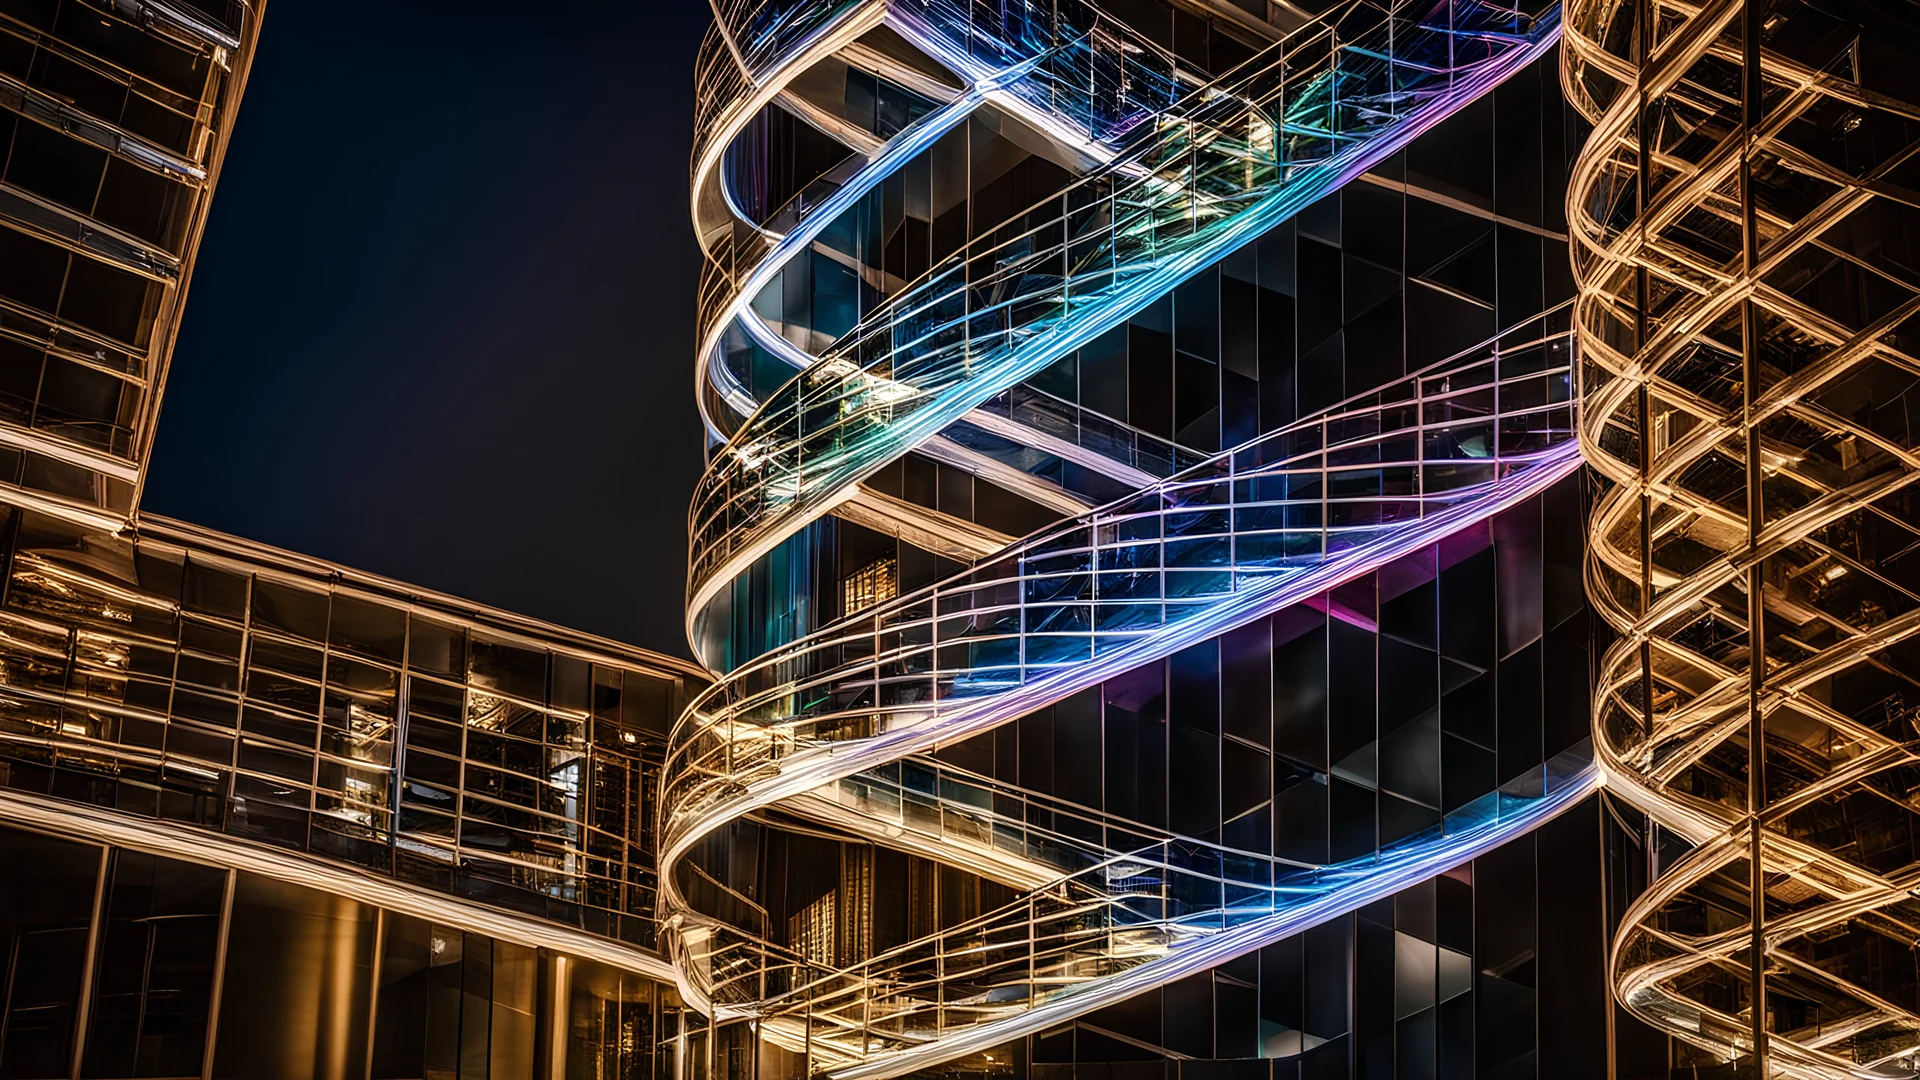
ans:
(1746, 316)
(1180, 172)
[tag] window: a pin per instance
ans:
(874, 583)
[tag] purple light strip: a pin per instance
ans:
(809, 769)
(1392, 874)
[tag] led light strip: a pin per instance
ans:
(1204, 181)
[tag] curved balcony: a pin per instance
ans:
(177, 690)
(1747, 335)
(1075, 70)
(1132, 921)
(1068, 69)
(1246, 533)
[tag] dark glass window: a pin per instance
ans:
(46, 905)
(297, 986)
(154, 982)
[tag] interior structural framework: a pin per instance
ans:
(1241, 538)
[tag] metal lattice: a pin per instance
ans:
(1743, 219)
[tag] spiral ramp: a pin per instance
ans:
(1179, 171)
(1747, 330)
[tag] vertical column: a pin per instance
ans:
(91, 961)
(1750, 110)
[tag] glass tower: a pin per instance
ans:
(1141, 552)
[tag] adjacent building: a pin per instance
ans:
(260, 815)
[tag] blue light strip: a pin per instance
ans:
(1340, 888)
(899, 150)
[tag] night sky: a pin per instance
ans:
(441, 325)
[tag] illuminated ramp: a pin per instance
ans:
(1248, 533)
(1181, 181)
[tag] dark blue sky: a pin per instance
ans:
(441, 325)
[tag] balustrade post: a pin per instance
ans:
(1033, 950)
(1233, 530)
(1020, 613)
(939, 984)
(1326, 487)
(866, 1010)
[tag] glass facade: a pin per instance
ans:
(1486, 970)
(113, 121)
(189, 679)
(120, 963)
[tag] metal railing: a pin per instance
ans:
(1293, 503)
(1246, 533)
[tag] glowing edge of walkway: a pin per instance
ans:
(970, 715)
(1388, 876)
(836, 761)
